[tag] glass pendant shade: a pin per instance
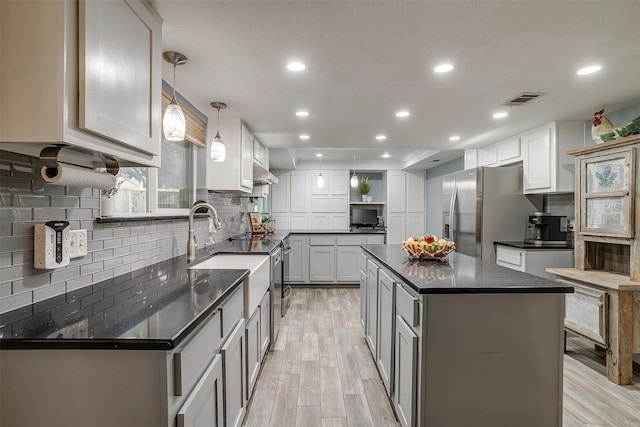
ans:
(354, 177)
(174, 124)
(218, 150)
(320, 181)
(354, 180)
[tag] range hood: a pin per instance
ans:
(261, 176)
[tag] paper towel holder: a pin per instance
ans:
(49, 156)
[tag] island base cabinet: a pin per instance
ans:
(372, 307)
(406, 378)
(233, 363)
(386, 311)
(498, 364)
(204, 407)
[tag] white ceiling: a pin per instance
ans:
(367, 59)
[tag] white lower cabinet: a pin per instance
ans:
(254, 344)
(204, 406)
(534, 261)
(328, 258)
(372, 306)
(386, 311)
(347, 266)
(322, 263)
(406, 354)
(233, 365)
(298, 259)
(265, 324)
(363, 299)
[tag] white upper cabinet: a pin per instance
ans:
(260, 154)
(547, 169)
(280, 193)
(488, 156)
(416, 191)
(335, 182)
(470, 159)
(396, 191)
(84, 73)
(235, 174)
(509, 151)
(300, 191)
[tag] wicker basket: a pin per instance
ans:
(415, 253)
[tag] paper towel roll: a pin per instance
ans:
(75, 176)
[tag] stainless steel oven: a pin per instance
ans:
(286, 287)
(276, 293)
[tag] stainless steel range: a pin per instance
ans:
(286, 287)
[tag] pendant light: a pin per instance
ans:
(320, 180)
(218, 150)
(354, 177)
(174, 125)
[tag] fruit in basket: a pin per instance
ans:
(427, 247)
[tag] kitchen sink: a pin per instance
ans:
(259, 276)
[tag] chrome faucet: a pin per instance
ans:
(214, 224)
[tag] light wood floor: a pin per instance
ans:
(321, 373)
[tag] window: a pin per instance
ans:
(171, 188)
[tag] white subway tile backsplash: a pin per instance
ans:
(113, 249)
(78, 282)
(15, 301)
(48, 292)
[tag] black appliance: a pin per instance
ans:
(361, 217)
(546, 229)
(286, 286)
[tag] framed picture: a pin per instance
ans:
(255, 218)
(606, 197)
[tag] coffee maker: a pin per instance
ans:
(546, 229)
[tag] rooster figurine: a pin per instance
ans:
(604, 131)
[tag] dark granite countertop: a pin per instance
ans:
(153, 308)
(341, 231)
(459, 274)
(520, 244)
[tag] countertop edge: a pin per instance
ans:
(488, 290)
(124, 343)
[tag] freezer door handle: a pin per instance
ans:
(452, 214)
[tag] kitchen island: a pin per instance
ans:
(462, 341)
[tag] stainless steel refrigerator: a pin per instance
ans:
(484, 205)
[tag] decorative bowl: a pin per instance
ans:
(416, 252)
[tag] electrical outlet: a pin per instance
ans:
(78, 244)
(51, 245)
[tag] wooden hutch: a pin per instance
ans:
(605, 307)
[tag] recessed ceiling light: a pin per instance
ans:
(589, 70)
(403, 113)
(318, 154)
(302, 113)
(381, 137)
(304, 137)
(500, 115)
(443, 68)
(296, 66)
(454, 138)
(386, 155)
